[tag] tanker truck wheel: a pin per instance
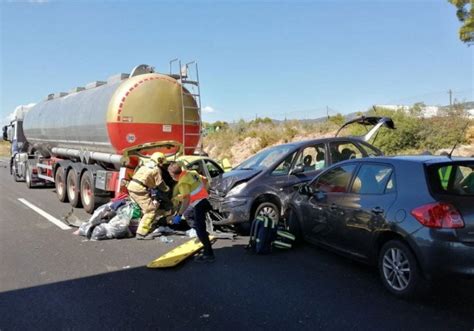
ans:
(72, 187)
(88, 197)
(60, 184)
(28, 175)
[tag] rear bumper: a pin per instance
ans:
(232, 210)
(441, 258)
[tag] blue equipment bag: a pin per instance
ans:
(262, 234)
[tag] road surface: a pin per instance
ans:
(52, 279)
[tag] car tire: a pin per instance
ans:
(88, 197)
(60, 184)
(73, 188)
(399, 269)
(268, 209)
(294, 226)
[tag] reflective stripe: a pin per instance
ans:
(197, 189)
(286, 235)
(281, 244)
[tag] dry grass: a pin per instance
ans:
(4, 148)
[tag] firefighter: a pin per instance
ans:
(147, 177)
(190, 197)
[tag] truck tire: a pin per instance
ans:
(88, 197)
(73, 188)
(14, 173)
(28, 179)
(60, 184)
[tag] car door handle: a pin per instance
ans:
(377, 210)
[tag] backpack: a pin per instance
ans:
(264, 235)
(284, 240)
(263, 232)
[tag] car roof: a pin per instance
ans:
(426, 159)
(318, 140)
(191, 158)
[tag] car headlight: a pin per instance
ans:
(236, 189)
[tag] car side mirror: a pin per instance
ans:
(5, 134)
(298, 169)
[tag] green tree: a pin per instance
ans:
(465, 14)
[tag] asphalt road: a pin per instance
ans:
(52, 279)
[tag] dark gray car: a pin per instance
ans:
(411, 216)
(263, 184)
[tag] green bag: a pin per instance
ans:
(136, 210)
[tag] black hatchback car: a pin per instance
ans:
(411, 216)
(263, 184)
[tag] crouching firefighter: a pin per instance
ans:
(147, 177)
(190, 197)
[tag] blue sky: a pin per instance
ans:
(265, 58)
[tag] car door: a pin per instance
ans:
(372, 192)
(311, 159)
(212, 169)
(323, 217)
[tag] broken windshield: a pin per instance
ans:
(264, 159)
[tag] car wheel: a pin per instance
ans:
(294, 226)
(60, 184)
(87, 192)
(268, 209)
(73, 189)
(399, 269)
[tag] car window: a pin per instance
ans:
(369, 150)
(196, 166)
(341, 151)
(284, 167)
(265, 158)
(335, 180)
(312, 158)
(372, 179)
(452, 179)
(213, 169)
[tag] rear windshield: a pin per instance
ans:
(452, 179)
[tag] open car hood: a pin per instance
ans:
(171, 148)
(375, 121)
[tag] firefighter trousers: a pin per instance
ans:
(145, 202)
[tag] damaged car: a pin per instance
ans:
(264, 183)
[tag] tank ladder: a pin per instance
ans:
(188, 76)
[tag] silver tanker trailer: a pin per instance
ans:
(82, 141)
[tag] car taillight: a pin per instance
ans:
(438, 215)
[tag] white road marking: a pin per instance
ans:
(50, 218)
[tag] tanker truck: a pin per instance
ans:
(87, 141)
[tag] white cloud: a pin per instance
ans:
(208, 109)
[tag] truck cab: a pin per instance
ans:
(13, 133)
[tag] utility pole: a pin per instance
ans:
(327, 111)
(450, 92)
